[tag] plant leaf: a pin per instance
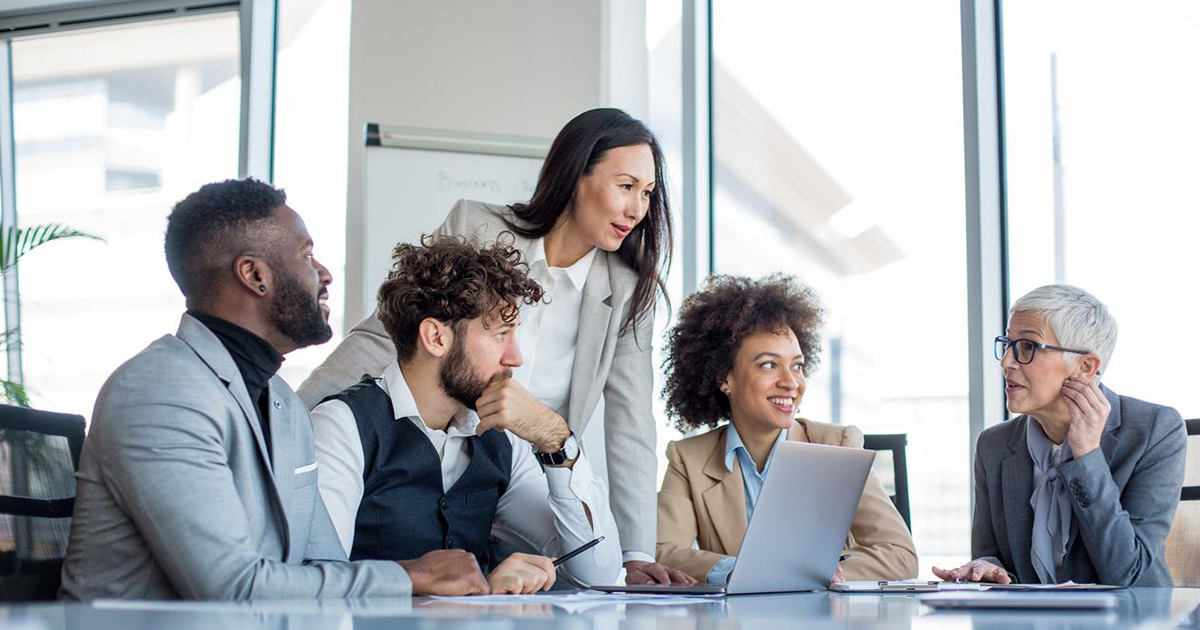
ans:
(15, 393)
(16, 242)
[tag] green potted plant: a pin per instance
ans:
(15, 243)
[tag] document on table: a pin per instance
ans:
(578, 601)
(916, 586)
(1065, 586)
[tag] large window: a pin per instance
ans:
(312, 98)
(1100, 115)
(664, 94)
(838, 157)
(112, 127)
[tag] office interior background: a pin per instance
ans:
(920, 164)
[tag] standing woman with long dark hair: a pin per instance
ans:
(597, 237)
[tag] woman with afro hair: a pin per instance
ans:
(736, 363)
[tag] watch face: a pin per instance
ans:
(571, 447)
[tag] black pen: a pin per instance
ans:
(572, 554)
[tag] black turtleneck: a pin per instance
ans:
(256, 360)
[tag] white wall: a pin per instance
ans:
(514, 67)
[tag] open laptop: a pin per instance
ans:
(799, 525)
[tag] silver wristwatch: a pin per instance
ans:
(568, 452)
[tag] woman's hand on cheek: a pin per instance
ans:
(1089, 412)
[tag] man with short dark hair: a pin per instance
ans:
(198, 479)
(408, 461)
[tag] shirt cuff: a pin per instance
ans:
(719, 574)
(630, 556)
(570, 484)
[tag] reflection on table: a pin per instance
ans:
(1136, 607)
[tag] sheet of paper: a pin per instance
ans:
(1065, 586)
(579, 601)
(962, 586)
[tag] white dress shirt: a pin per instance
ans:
(548, 332)
(538, 511)
(548, 329)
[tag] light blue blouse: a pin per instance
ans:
(752, 480)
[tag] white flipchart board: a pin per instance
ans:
(412, 177)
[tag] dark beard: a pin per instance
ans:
(458, 376)
(296, 314)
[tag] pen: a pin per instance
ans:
(572, 554)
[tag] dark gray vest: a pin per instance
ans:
(404, 513)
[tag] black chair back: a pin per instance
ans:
(1182, 560)
(39, 453)
(1191, 493)
(895, 444)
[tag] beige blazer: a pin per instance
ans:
(606, 362)
(702, 501)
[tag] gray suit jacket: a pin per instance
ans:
(176, 498)
(1123, 497)
(617, 365)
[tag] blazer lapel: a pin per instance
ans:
(725, 502)
(594, 316)
(1108, 441)
(1108, 446)
(283, 460)
(1017, 480)
(797, 433)
(216, 357)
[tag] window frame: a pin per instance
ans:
(257, 55)
(983, 115)
(984, 179)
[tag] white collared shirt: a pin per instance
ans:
(549, 328)
(548, 332)
(543, 512)
(752, 482)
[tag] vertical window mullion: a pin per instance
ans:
(8, 212)
(697, 143)
(984, 173)
(258, 29)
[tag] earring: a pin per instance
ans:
(262, 288)
(725, 390)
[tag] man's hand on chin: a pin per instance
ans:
(507, 405)
(641, 572)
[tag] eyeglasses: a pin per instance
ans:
(1024, 349)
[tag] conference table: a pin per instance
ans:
(1142, 608)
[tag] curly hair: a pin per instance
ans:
(712, 325)
(451, 280)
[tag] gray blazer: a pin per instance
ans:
(617, 365)
(1123, 497)
(176, 498)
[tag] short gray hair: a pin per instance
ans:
(1077, 318)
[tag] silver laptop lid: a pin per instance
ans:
(801, 519)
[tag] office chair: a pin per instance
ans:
(39, 452)
(1181, 548)
(894, 443)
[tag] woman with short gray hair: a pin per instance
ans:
(1083, 485)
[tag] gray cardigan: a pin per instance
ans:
(1123, 497)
